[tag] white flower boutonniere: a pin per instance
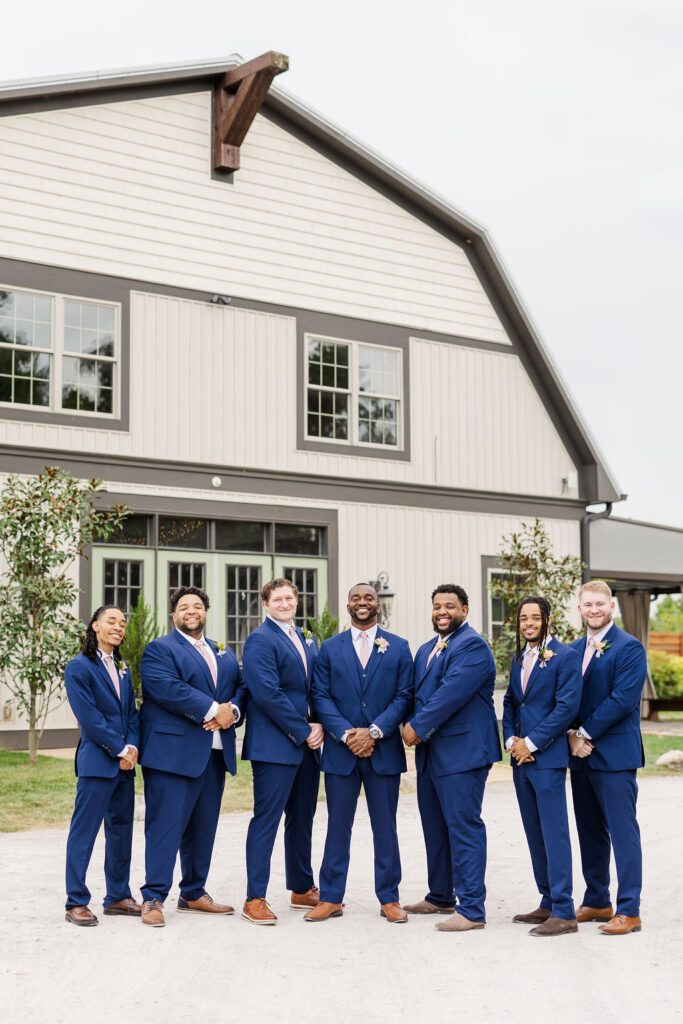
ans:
(122, 667)
(600, 648)
(544, 656)
(308, 637)
(381, 643)
(220, 649)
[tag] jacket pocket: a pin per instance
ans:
(174, 730)
(453, 728)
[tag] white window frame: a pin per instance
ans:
(57, 352)
(355, 393)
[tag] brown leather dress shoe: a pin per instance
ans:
(305, 900)
(324, 911)
(556, 926)
(621, 925)
(82, 916)
(423, 907)
(124, 908)
(394, 913)
(535, 917)
(258, 912)
(204, 905)
(153, 913)
(458, 923)
(584, 914)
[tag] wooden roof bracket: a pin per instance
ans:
(237, 98)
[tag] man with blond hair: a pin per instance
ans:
(607, 751)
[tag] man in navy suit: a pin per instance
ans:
(607, 751)
(455, 733)
(362, 690)
(192, 697)
(540, 704)
(100, 693)
(282, 743)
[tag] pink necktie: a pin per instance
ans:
(528, 662)
(201, 647)
(299, 646)
(108, 660)
(588, 654)
(364, 655)
(434, 652)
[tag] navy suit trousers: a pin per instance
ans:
(97, 800)
(381, 793)
(605, 809)
(543, 804)
(455, 838)
(291, 790)
(181, 814)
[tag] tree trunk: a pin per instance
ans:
(32, 732)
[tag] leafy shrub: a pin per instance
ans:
(667, 674)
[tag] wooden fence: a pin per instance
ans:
(672, 643)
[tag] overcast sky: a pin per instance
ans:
(556, 125)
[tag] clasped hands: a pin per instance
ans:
(410, 737)
(129, 759)
(520, 751)
(223, 719)
(360, 742)
(579, 746)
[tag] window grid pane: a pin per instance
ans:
(25, 347)
(243, 601)
(88, 375)
(307, 582)
(122, 582)
(328, 390)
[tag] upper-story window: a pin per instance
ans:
(58, 353)
(353, 393)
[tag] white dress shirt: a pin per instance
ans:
(356, 635)
(128, 746)
(596, 638)
(216, 741)
(532, 653)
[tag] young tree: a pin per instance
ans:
(46, 521)
(141, 627)
(323, 627)
(530, 566)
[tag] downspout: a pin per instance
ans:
(586, 520)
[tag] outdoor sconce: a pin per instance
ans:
(386, 598)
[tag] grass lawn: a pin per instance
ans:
(43, 796)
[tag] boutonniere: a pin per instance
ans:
(381, 643)
(122, 667)
(600, 648)
(441, 645)
(544, 656)
(308, 637)
(220, 649)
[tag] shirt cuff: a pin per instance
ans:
(344, 735)
(530, 744)
(125, 750)
(509, 741)
(582, 734)
(381, 734)
(236, 712)
(211, 713)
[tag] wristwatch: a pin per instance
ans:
(375, 732)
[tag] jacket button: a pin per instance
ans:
(523, 704)
(363, 705)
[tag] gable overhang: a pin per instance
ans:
(596, 482)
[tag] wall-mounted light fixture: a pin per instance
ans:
(386, 598)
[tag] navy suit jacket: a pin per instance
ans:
(279, 696)
(610, 703)
(547, 708)
(454, 712)
(107, 723)
(177, 692)
(346, 696)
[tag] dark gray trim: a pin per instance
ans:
(660, 582)
(19, 274)
(487, 562)
(17, 739)
(327, 325)
(206, 508)
(296, 485)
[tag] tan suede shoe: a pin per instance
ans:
(258, 912)
(204, 905)
(621, 925)
(394, 913)
(153, 913)
(305, 900)
(124, 908)
(457, 923)
(82, 916)
(555, 926)
(534, 917)
(584, 914)
(324, 911)
(423, 907)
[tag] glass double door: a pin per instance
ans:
(232, 581)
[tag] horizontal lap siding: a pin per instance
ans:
(125, 189)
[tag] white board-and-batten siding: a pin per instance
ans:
(125, 189)
(218, 385)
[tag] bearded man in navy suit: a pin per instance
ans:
(362, 690)
(455, 732)
(282, 742)
(607, 751)
(540, 704)
(192, 698)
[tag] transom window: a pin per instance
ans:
(353, 392)
(58, 353)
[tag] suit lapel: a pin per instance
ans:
(374, 660)
(189, 650)
(108, 679)
(351, 659)
(287, 645)
(429, 665)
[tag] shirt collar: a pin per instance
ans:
(284, 626)
(370, 633)
(597, 637)
(534, 650)
(191, 639)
